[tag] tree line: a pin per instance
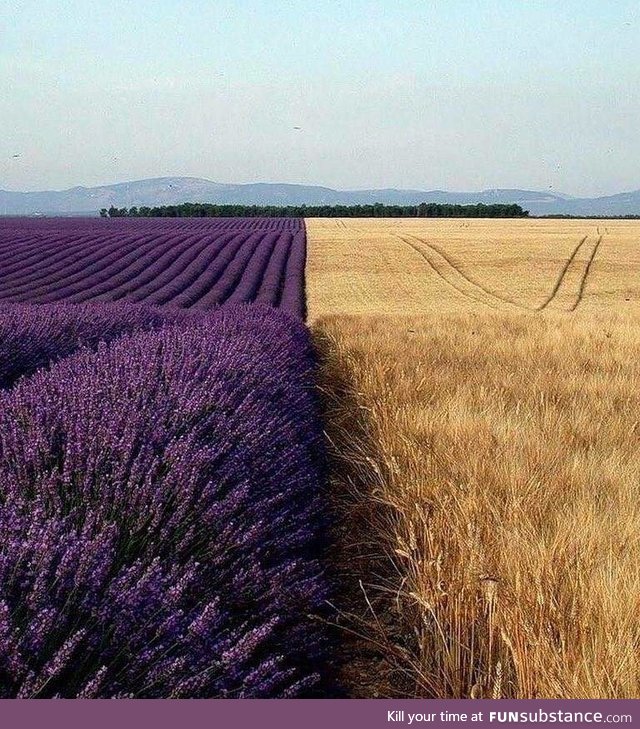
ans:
(377, 210)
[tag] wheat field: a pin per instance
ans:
(480, 380)
(418, 266)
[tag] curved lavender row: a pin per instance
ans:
(28, 243)
(293, 292)
(49, 253)
(208, 272)
(227, 277)
(142, 226)
(23, 258)
(68, 267)
(169, 261)
(249, 283)
(103, 270)
(172, 281)
(198, 263)
(35, 336)
(24, 238)
(162, 517)
(29, 253)
(31, 244)
(100, 287)
(126, 226)
(273, 280)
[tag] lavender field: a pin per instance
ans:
(161, 464)
(191, 263)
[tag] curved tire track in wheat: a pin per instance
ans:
(451, 274)
(472, 282)
(587, 270)
(563, 274)
(572, 263)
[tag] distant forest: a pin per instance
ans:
(378, 210)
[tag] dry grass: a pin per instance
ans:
(486, 475)
(410, 266)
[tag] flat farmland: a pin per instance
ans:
(481, 389)
(403, 266)
(189, 263)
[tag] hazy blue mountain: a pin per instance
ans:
(173, 190)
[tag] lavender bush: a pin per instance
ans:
(32, 337)
(293, 297)
(161, 520)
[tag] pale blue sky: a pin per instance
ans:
(456, 94)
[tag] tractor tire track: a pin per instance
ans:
(562, 276)
(453, 276)
(436, 264)
(572, 264)
(471, 281)
(585, 276)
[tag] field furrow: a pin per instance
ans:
(184, 263)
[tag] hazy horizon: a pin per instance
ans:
(560, 193)
(460, 96)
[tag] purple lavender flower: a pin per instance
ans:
(191, 262)
(161, 513)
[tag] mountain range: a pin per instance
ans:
(174, 190)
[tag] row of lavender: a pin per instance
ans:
(190, 263)
(161, 520)
(36, 225)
